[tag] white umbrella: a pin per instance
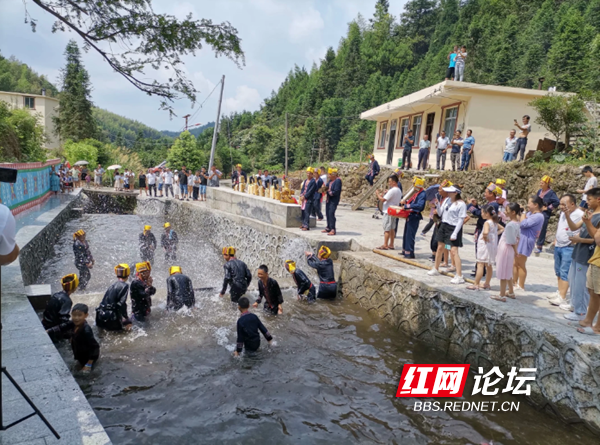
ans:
(113, 167)
(82, 163)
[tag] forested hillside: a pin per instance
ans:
(112, 127)
(19, 78)
(509, 42)
(194, 131)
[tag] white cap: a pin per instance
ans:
(451, 189)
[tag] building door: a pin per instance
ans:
(429, 126)
(392, 142)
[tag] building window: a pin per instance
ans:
(416, 128)
(30, 102)
(450, 121)
(403, 130)
(382, 134)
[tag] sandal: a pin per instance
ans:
(511, 296)
(498, 298)
(331, 233)
(382, 248)
(587, 331)
(473, 287)
(486, 287)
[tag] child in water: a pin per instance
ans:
(305, 286)
(269, 288)
(86, 349)
(248, 326)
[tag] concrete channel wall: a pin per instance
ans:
(29, 355)
(568, 367)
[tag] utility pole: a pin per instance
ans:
(186, 117)
(216, 131)
(286, 145)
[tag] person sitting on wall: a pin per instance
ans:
(58, 308)
(373, 169)
(112, 312)
(324, 266)
(551, 202)
(180, 291)
(237, 275)
(83, 258)
(304, 285)
(269, 289)
(86, 349)
(142, 291)
(169, 241)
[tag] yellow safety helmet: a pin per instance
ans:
(332, 171)
(147, 228)
(229, 251)
(174, 269)
(143, 266)
(324, 252)
(547, 179)
(500, 181)
(122, 270)
(418, 181)
(310, 170)
(70, 282)
(238, 165)
(78, 233)
(167, 224)
(291, 265)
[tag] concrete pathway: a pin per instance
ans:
(33, 361)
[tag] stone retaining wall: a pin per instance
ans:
(41, 246)
(568, 371)
(256, 243)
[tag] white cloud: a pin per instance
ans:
(246, 98)
(305, 25)
(315, 54)
(202, 84)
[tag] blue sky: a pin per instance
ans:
(276, 34)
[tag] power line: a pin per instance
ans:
(204, 101)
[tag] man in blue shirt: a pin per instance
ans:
(409, 141)
(455, 153)
(468, 145)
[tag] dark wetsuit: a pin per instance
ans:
(57, 312)
(112, 312)
(83, 257)
(147, 246)
(304, 285)
(272, 294)
(169, 242)
(248, 337)
(327, 285)
(84, 344)
(238, 277)
(140, 299)
(180, 292)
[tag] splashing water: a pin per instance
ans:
(330, 375)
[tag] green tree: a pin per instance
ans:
(81, 151)
(21, 136)
(131, 38)
(559, 114)
(185, 152)
(75, 119)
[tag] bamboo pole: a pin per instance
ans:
(414, 263)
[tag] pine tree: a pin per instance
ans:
(75, 120)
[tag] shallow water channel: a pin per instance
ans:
(330, 377)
